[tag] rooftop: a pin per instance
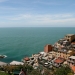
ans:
(70, 34)
(72, 57)
(59, 60)
(26, 59)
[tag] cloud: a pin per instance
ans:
(20, 17)
(41, 20)
(49, 21)
(42, 17)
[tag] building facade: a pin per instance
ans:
(70, 37)
(48, 48)
(71, 63)
(65, 54)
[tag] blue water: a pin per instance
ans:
(17, 43)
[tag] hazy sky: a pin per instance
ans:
(37, 13)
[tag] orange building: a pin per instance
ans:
(48, 48)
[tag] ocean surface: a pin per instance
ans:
(18, 43)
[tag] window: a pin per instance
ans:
(72, 63)
(68, 36)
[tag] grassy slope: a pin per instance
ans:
(3, 73)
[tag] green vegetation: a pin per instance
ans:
(4, 73)
(63, 71)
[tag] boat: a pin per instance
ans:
(3, 56)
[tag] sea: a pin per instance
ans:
(19, 42)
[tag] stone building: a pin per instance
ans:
(70, 37)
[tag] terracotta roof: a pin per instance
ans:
(59, 60)
(26, 58)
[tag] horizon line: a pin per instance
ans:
(36, 27)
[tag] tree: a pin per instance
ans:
(70, 74)
(63, 71)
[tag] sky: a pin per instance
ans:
(37, 13)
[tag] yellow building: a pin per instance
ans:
(65, 54)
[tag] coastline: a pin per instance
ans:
(60, 53)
